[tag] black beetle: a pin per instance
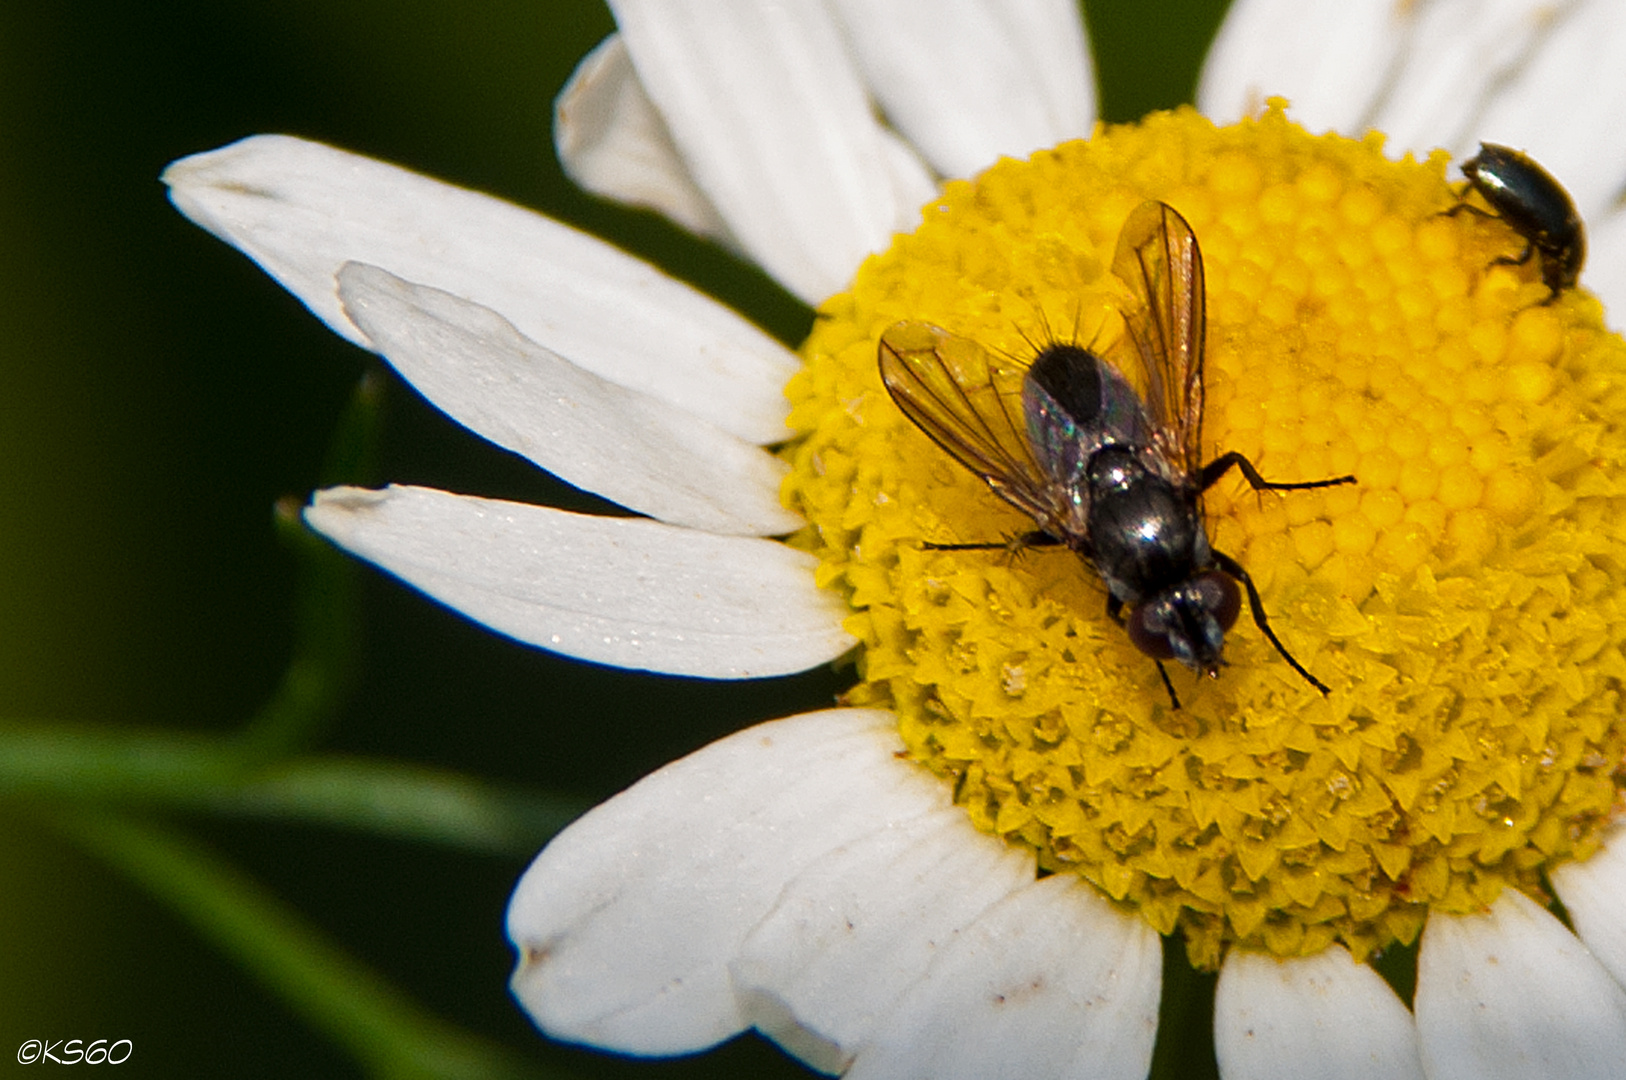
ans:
(1535, 206)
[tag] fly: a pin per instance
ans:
(1535, 206)
(1111, 475)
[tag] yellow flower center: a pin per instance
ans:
(1465, 600)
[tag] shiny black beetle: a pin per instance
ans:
(1115, 476)
(1535, 206)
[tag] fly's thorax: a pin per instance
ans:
(1146, 532)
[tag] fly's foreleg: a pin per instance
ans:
(1234, 568)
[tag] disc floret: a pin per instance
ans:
(1464, 601)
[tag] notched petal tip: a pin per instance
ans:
(329, 504)
(528, 984)
(213, 168)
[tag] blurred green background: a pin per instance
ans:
(160, 394)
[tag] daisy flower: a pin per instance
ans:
(973, 866)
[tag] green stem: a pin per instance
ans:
(320, 672)
(390, 1034)
(1185, 1022)
(210, 774)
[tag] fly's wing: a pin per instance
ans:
(1159, 260)
(970, 402)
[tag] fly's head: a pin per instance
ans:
(1187, 621)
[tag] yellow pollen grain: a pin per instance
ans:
(1464, 599)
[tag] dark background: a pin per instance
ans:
(158, 393)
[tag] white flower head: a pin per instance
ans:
(805, 877)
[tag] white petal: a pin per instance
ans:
(1547, 78)
(1052, 981)
(1606, 262)
(1321, 1016)
(624, 591)
(862, 923)
(612, 142)
(1511, 993)
(1594, 894)
(1329, 57)
(970, 82)
(599, 436)
(767, 108)
(302, 210)
(627, 921)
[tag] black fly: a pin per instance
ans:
(1535, 206)
(1115, 477)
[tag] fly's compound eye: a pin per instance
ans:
(1148, 630)
(1219, 596)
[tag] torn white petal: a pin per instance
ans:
(1511, 993)
(628, 592)
(1052, 981)
(302, 210)
(595, 434)
(767, 109)
(613, 143)
(970, 82)
(1323, 1016)
(1594, 894)
(859, 925)
(627, 921)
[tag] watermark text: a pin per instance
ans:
(75, 1052)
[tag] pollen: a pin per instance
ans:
(1464, 600)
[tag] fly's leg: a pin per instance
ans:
(1017, 544)
(1167, 685)
(1222, 465)
(1234, 568)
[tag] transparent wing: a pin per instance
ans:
(1159, 260)
(970, 402)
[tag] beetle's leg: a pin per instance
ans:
(1524, 256)
(1464, 204)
